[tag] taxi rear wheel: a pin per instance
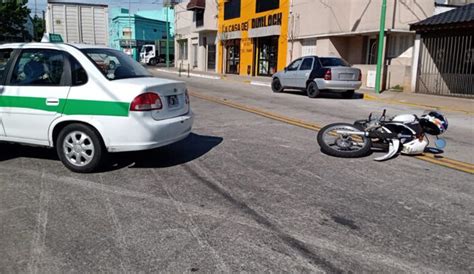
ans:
(80, 148)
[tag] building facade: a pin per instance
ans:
(129, 32)
(253, 36)
(196, 35)
(349, 29)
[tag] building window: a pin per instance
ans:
(231, 9)
(199, 18)
(183, 50)
(127, 33)
(264, 5)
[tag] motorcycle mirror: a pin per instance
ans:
(440, 143)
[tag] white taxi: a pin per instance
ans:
(86, 101)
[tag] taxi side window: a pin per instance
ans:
(39, 67)
(78, 73)
(5, 55)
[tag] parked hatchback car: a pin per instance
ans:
(65, 96)
(314, 74)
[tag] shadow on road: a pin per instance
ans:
(327, 94)
(191, 148)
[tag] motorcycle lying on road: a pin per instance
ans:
(404, 133)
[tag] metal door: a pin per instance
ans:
(446, 65)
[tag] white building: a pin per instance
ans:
(196, 35)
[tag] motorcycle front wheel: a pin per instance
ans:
(343, 145)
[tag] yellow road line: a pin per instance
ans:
(442, 161)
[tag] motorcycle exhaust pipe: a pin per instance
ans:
(380, 135)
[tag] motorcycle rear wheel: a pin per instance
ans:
(344, 146)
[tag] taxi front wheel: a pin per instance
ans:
(80, 148)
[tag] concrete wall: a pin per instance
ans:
(328, 17)
(210, 17)
(395, 75)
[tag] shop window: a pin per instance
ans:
(233, 56)
(199, 18)
(183, 50)
(231, 9)
(264, 5)
(267, 55)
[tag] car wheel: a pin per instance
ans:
(276, 85)
(312, 90)
(152, 62)
(348, 94)
(80, 148)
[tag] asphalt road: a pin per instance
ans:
(242, 193)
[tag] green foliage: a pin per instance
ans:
(397, 88)
(13, 16)
(39, 27)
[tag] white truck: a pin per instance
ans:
(78, 23)
(152, 54)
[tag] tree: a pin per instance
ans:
(13, 17)
(38, 24)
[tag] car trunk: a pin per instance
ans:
(344, 73)
(173, 99)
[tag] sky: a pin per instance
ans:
(134, 4)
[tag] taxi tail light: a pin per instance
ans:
(328, 75)
(146, 101)
(360, 76)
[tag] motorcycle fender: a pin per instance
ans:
(392, 150)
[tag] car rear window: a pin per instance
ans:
(115, 64)
(333, 62)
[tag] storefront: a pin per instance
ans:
(232, 58)
(252, 36)
(267, 55)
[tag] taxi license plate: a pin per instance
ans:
(173, 101)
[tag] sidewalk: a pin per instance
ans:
(442, 103)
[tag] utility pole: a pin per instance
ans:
(130, 30)
(380, 55)
(167, 37)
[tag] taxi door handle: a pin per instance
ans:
(52, 101)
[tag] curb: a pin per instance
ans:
(190, 74)
(262, 84)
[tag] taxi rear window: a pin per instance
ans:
(115, 64)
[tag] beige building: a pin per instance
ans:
(349, 29)
(196, 35)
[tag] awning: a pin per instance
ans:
(196, 5)
(462, 17)
(265, 31)
(230, 35)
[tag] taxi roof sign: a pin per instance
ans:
(52, 38)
